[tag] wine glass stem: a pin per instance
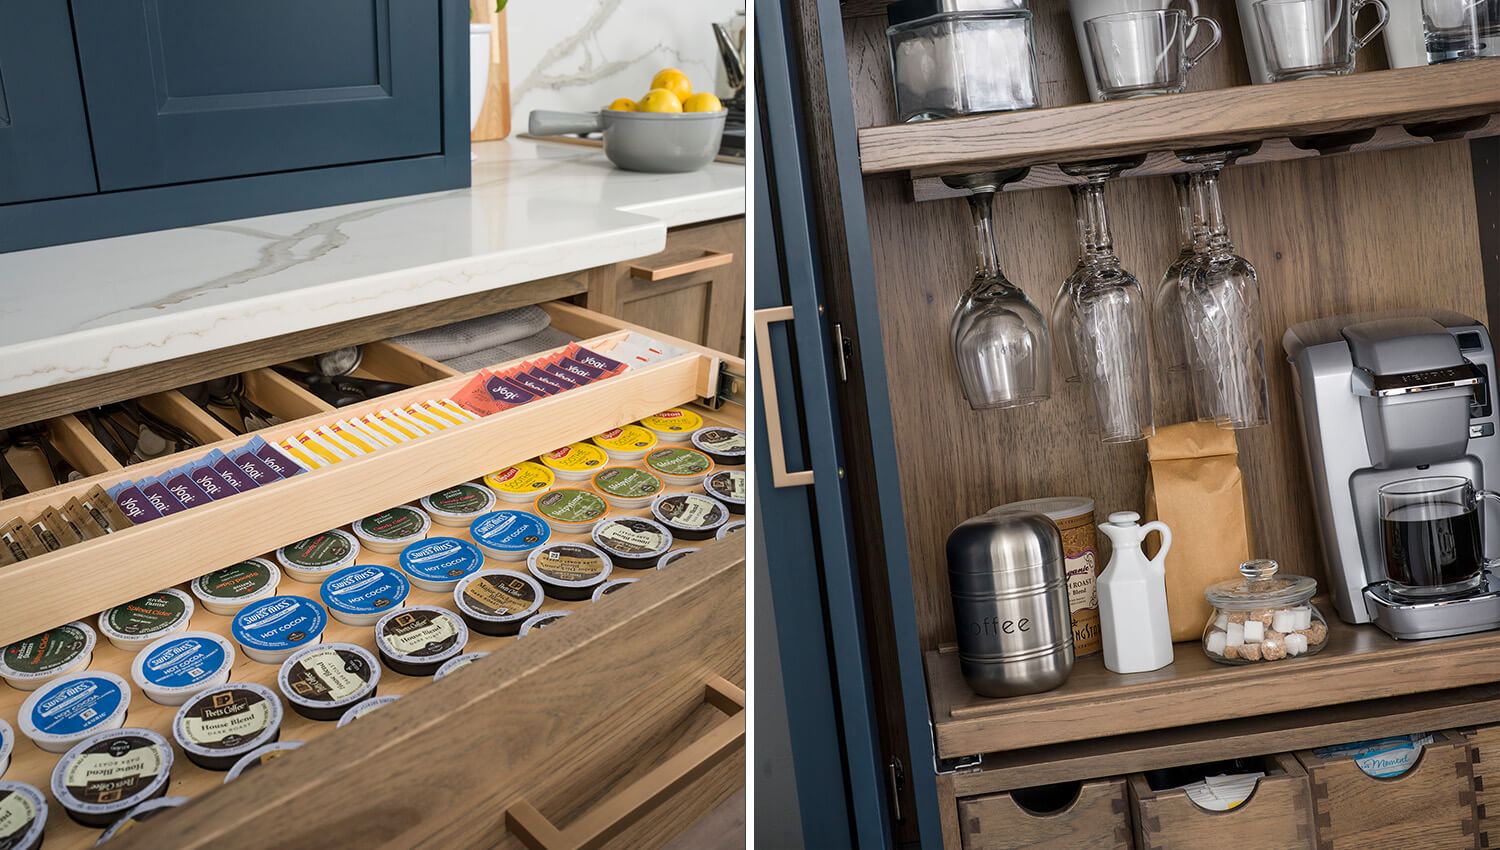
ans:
(1093, 219)
(1213, 211)
(982, 204)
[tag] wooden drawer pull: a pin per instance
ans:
(709, 260)
(610, 818)
(780, 476)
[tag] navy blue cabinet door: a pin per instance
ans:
(185, 90)
(44, 139)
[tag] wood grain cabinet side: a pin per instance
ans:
(1484, 753)
(694, 290)
(1277, 815)
(1097, 818)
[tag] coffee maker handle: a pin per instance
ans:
(1159, 563)
(1482, 495)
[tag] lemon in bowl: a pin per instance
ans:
(673, 81)
(702, 102)
(659, 100)
(622, 104)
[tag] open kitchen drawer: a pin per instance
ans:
(617, 727)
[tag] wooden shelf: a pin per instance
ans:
(1359, 663)
(1303, 108)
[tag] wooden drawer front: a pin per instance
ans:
(1097, 819)
(1429, 806)
(1484, 750)
(695, 289)
(1276, 817)
(586, 722)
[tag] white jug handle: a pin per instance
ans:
(1159, 562)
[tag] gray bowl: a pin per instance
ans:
(658, 142)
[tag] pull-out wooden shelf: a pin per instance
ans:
(1359, 663)
(1221, 117)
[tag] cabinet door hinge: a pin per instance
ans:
(896, 776)
(843, 349)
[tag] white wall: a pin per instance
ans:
(581, 54)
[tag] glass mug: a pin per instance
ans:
(1313, 38)
(1084, 10)
(1138, 54)
(1461, 29)
(1433, 534)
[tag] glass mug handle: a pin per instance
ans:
(1383, 15)
(1191, 4)
(1192, 33)
(1479, 499)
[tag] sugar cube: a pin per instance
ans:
(1221, 622)
(1255, 631)
(1285, 620)
(1296, 644)
(1234, 635)
(1215, 642)
(1304, 617)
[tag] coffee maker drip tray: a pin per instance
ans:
(1475, 611)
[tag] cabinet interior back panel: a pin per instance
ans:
(1341, 234)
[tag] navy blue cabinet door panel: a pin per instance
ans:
(185, 90)
(44, 139)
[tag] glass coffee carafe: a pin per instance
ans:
(1433, 535)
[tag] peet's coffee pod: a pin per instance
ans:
(680, 466)
(690, 516)
(611, 586)
(140, 814)
(628, 487)
(366, 707)
(632, 542)
(575, 462)
(496, 602)
(219, 726)
(509, 535)
(7, 746)
(675, 555)
(438, 563)
(416, 641)
(362, 594)
(522, 483)
(225, 592)
(541, 621)
(729, 528)
(390, 531)
(571, 511)
(72, 708)
(725, 445)
(459, 506)
(271, 630)
(628, 443)
(24, 817)
(317, 557)
(673, 426)
(569, 571)
(728, 486)
(28, 664)
(455, 663)
(177, 666)
(322, 682)
(139, 622)
(260, 758)
(108, 774)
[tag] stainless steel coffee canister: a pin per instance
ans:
(1010, 603)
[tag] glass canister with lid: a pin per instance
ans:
(962, 57)
(1263, 616)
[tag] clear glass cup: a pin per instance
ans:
(1458, 30)
(1144, 53)
(963, 63)
(1103, 316)
(1432, 530)
(1313, 38)
(1000, 342)
(1175, 346)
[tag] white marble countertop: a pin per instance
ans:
(536, 209)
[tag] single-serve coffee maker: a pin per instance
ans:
(1398, 416)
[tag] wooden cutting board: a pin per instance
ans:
(494, 116)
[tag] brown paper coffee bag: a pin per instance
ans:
(1194, 485)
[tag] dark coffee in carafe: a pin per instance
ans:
(1432, 545)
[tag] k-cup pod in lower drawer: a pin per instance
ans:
(219, 726)
(28, 664)
(175, 667)
(137, 623)
(71, 708)
(317, 557)
(271, 630)
(322, 682)
(415, 641)
(103, 777)
(226, 591)
(497, 602)
(360, 595)
(27, 820)
(569, 571)
(260, 758)
(459, 505)
(141, 813)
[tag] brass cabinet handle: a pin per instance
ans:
(610, 818)
(709, 260)
(780, 477)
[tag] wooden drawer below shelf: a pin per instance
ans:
(1276, 816)
(1098, 818)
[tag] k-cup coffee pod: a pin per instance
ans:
(455, 663)
(362, 594)
(673, 426)
(690, 516)
(628, 487)
(728, 486)
(680, 466)
(366, 707)
(632, 542)
(140, 622)
(416, 641)
(219, 726)
(319, 556)
(571, 511)
(322, 682)
(23, 816)
(675, 555)
(628, 443)
(28, 664)
(439, 563)
(569, 571)
(140, 814)
(575, 462)
(390, 531)
(729, 528)
(7, 746)
(73, 708)
(726, 446)
(225, 592)
(611, 586)
(522, 483)
(175, 667)
(509, 535)
(106, 775)
(459, 506)
(541, 621)
(496, 602)
(260, 758)
(270, 630)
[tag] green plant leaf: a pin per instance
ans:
(499, 6)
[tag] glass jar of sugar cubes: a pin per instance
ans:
(1263, 617)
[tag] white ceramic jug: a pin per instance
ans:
(1083, 10)
(1133, 597)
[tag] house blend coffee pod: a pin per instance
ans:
(219, 726)
(110, 773)
(728, 486)
(322, 682)
(455, 663)
(23, 816)
(416, 641)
